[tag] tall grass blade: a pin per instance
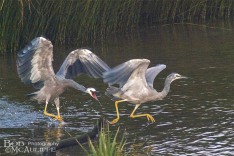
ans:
(85, 22)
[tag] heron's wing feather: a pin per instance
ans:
(34, 62)
(137, 80)
(121, 73)
(152, 72)
(82, 61)
(38, 84)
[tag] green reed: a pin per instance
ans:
(107, 144)
(79, 22)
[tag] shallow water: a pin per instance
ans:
(197, 116)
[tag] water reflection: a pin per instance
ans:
(195, 118)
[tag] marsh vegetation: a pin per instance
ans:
(70, 22)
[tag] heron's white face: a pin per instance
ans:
(175, 76)
(178, 76)
(92, 92)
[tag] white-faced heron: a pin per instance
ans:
(34, 66)
(136, 84)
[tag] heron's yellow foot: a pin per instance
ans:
(150, 118)
(114, 121)
(59, 118)
(48, 114)
(55, 117)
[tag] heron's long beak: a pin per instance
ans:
(94, 96)
(184, 77)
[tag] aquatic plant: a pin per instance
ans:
(106, 144)
(71, 22)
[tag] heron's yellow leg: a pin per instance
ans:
(48, 114)
(57, 103)
(117, 111)
(148, 116)
(58, 117)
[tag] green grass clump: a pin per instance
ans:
(106, 144)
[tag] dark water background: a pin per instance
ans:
(197, 116)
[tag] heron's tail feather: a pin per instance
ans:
(32, 95)
(36, 96)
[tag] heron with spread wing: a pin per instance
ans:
(135, 82)
(34, 66)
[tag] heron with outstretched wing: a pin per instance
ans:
(135, 82)
(34, 66)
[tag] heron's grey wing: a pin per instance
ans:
(137, 81)
(121, 73)
(152, 72)
(34, 62)
(82, 61)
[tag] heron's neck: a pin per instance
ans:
(166, 88)
(75, 85)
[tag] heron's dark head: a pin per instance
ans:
(175, 76)
(92, 92)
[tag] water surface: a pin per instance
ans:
(197, 116)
